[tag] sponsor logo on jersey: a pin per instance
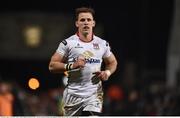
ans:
(92, 60)
(88, 56)
(89, 60)
(78, 46)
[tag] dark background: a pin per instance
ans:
(138, 32)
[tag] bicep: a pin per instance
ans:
(57, 57)
(110, 59)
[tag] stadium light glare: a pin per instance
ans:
(32, 36)
(33, 83)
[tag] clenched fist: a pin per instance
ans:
(103, 75)
(79, 63)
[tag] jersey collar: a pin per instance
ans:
(77, 33)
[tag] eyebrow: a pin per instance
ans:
(82, 19)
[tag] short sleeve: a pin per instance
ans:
(107, 48)
(62, 48)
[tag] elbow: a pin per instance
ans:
(51, 68)
(116, 64)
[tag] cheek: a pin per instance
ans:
(80, 25)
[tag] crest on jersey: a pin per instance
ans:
(96, 46)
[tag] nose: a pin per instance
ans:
(86, 21)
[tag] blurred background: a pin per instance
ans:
(143, 34)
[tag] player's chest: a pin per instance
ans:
(83, 48)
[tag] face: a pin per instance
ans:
(85, 23)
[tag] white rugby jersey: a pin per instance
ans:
(81, 82)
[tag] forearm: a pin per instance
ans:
(111, 66)
(57, 67)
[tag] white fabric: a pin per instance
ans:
(74, 105)
(80, 82)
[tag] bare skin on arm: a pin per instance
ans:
(110, 67)
(57, 63)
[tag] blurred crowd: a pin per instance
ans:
(152, 99)
(133, 94)
(16, 101)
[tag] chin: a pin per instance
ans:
(85, 33)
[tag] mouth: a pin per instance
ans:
(86, 28)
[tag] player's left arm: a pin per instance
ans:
(110, 68)
(110, 63)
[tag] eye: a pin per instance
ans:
(89, 19)
(82, 20)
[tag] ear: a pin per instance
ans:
(94, 23)
(76, 23)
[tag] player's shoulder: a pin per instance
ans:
(100, 40)
(72, 37)
(69, 39)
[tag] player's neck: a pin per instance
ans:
(85, 37)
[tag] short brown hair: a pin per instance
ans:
(84, 9)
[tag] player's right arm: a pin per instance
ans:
(58, 65)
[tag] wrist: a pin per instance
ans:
(68, 67)
(108, 72)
